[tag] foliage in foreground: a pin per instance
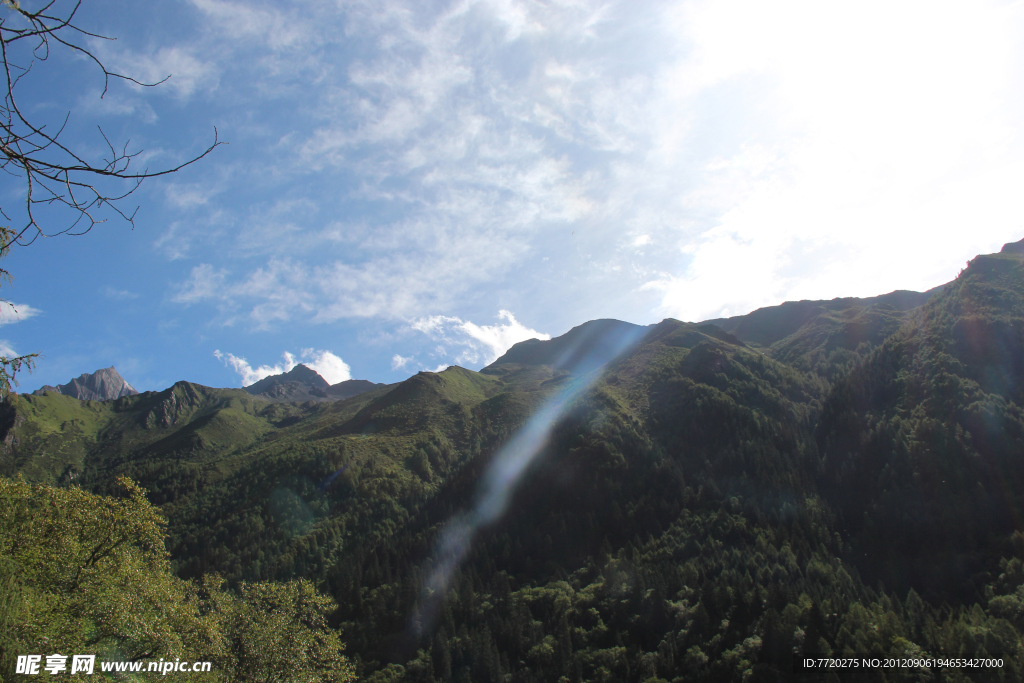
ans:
(85, 574)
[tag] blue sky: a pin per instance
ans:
(409, 185)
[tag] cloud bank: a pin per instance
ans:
(695, 159)
(326, 364)
(474, 344)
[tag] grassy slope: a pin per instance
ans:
(53, 435)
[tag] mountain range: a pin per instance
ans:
(297, 385)
(674, 502)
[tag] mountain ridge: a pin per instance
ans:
(696, 506)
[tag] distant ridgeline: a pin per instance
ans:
(704, 502)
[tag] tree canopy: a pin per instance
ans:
(83, 573)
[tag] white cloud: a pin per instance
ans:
(250, 376)
(398, 362)
(889, 157)
(434, 324)
(498, 339)
(478, 343)
(434, 129)
(794, 149)
(14, 313)
(266, 25)
(326, 364)
(6, 350)
(205, 282)
(187, 196)
(185, 68)
(175, 241)
(116, 104)
(281, 290)
(119, 294)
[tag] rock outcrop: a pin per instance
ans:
(102, 385)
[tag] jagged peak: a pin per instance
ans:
(105, 384)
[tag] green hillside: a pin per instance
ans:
(923, 444)
(706, 502)
(826, 337)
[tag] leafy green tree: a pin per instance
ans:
(11, 613)
(279, 632)
(89, 574)
(94, 573)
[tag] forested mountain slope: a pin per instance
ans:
(922, 445)
(826, 337)
(705, 503)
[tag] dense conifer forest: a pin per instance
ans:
(711, 502)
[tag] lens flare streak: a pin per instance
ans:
(503, 474)
(499, 482)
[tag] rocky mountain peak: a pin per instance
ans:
(102, 385)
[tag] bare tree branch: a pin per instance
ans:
(55, 175)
